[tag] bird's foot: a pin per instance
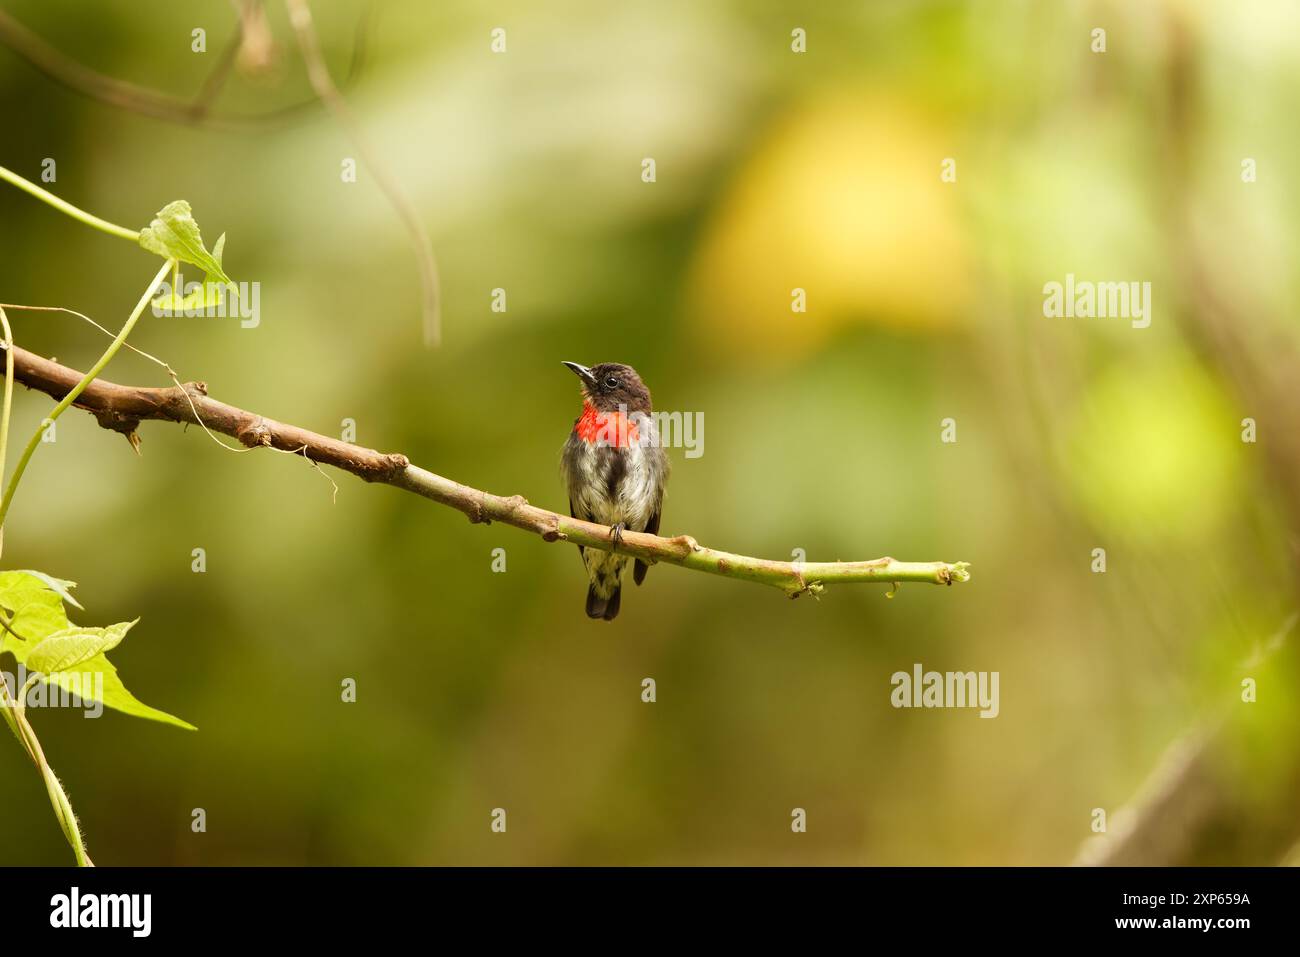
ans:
(616, 533)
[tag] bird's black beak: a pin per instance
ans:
(583, 373)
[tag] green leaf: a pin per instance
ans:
(74, 659)
(64, 650)
(60, 585)
(174, 234)
(33, 609)
(207, 296)
(85, 680)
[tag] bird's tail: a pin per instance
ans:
(606, 608)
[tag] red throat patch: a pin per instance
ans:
(605, 428)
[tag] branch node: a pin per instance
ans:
(116, 421)
(256, 434)
(956, 572)
(814, 589)
(391, 464)
(476, 517)
(685, 541)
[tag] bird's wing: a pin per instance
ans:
(573, 513)
(652, 527)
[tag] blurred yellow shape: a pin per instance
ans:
(1154, 453)
(843, 200)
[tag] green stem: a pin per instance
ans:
(58, 797)
(7, 709)
(80, 387)
(8, 402)
(14, 713)
(67, 208)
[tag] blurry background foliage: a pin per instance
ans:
(775, 170)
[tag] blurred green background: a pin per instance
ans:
(775, 170)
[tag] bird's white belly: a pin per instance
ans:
(630, 500)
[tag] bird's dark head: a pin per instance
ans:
(610, 385)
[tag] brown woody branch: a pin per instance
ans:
(122, 408)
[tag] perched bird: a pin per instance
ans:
(615, 469)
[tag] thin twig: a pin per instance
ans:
(1184, 795)
(319, 75)
(83, 316)
(135, 98)
(215, 81)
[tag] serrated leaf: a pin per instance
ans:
(174, 234)
(33, 601)
(82, 680)
(33, 608)
(61, 586)
(65, 650)
(207, 296)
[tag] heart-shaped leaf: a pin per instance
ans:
(174, 234)
(32, 610)
(35, 629)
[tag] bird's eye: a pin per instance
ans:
(611, 381)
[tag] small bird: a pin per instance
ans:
(615, 470)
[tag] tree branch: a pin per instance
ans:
(122, 408)
(153, 103)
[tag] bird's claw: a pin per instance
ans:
(616, 533)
